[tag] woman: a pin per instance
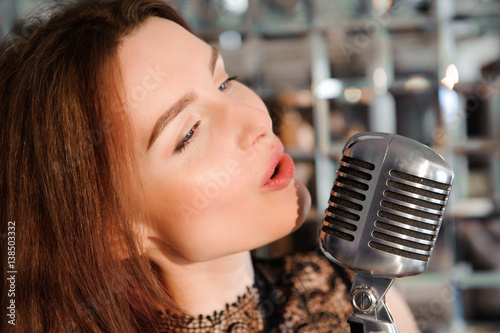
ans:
(138, 175)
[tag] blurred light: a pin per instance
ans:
(230, 40)
(328, 88)
(236, 6)
(381, 6)
(449, 101)
(451, 77)
(417, 83)
(352, 94)
(380, 81)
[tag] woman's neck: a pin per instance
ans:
(202, 287)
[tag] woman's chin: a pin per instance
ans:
(303, 203)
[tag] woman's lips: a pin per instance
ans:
(279, 171)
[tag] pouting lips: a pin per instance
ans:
(282, 174)
(276, 170)
(279, 170)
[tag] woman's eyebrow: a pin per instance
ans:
(180, 105)
(170, 114)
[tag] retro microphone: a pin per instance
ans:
(384, 215)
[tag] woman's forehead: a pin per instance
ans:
(159, 43)
(160, 55)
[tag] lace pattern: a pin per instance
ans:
(242, 316)
(314, 296)
(303, 293)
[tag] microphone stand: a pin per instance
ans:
(370, 313)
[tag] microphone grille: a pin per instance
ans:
(410, 216)
(350, 183)
(386, 205)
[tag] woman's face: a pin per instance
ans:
(215, 179)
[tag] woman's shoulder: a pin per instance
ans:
(304, 291)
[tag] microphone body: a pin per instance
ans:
(384, 215)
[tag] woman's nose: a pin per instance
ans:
(253, 126)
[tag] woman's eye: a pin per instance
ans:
(225, 84)
(187, 139)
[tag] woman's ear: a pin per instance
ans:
(146, 236)
(138, 238)
(150, 244)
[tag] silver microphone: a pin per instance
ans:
(384, 215)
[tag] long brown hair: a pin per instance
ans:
(71, 259)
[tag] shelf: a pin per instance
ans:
(468, 208)
(300, 156)
(479, 280)
(477, 146)
(460, 280)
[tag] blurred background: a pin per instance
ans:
(425, 69)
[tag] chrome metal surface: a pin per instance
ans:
(384, 215)
(386, 205)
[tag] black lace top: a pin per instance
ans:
(300, 293)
